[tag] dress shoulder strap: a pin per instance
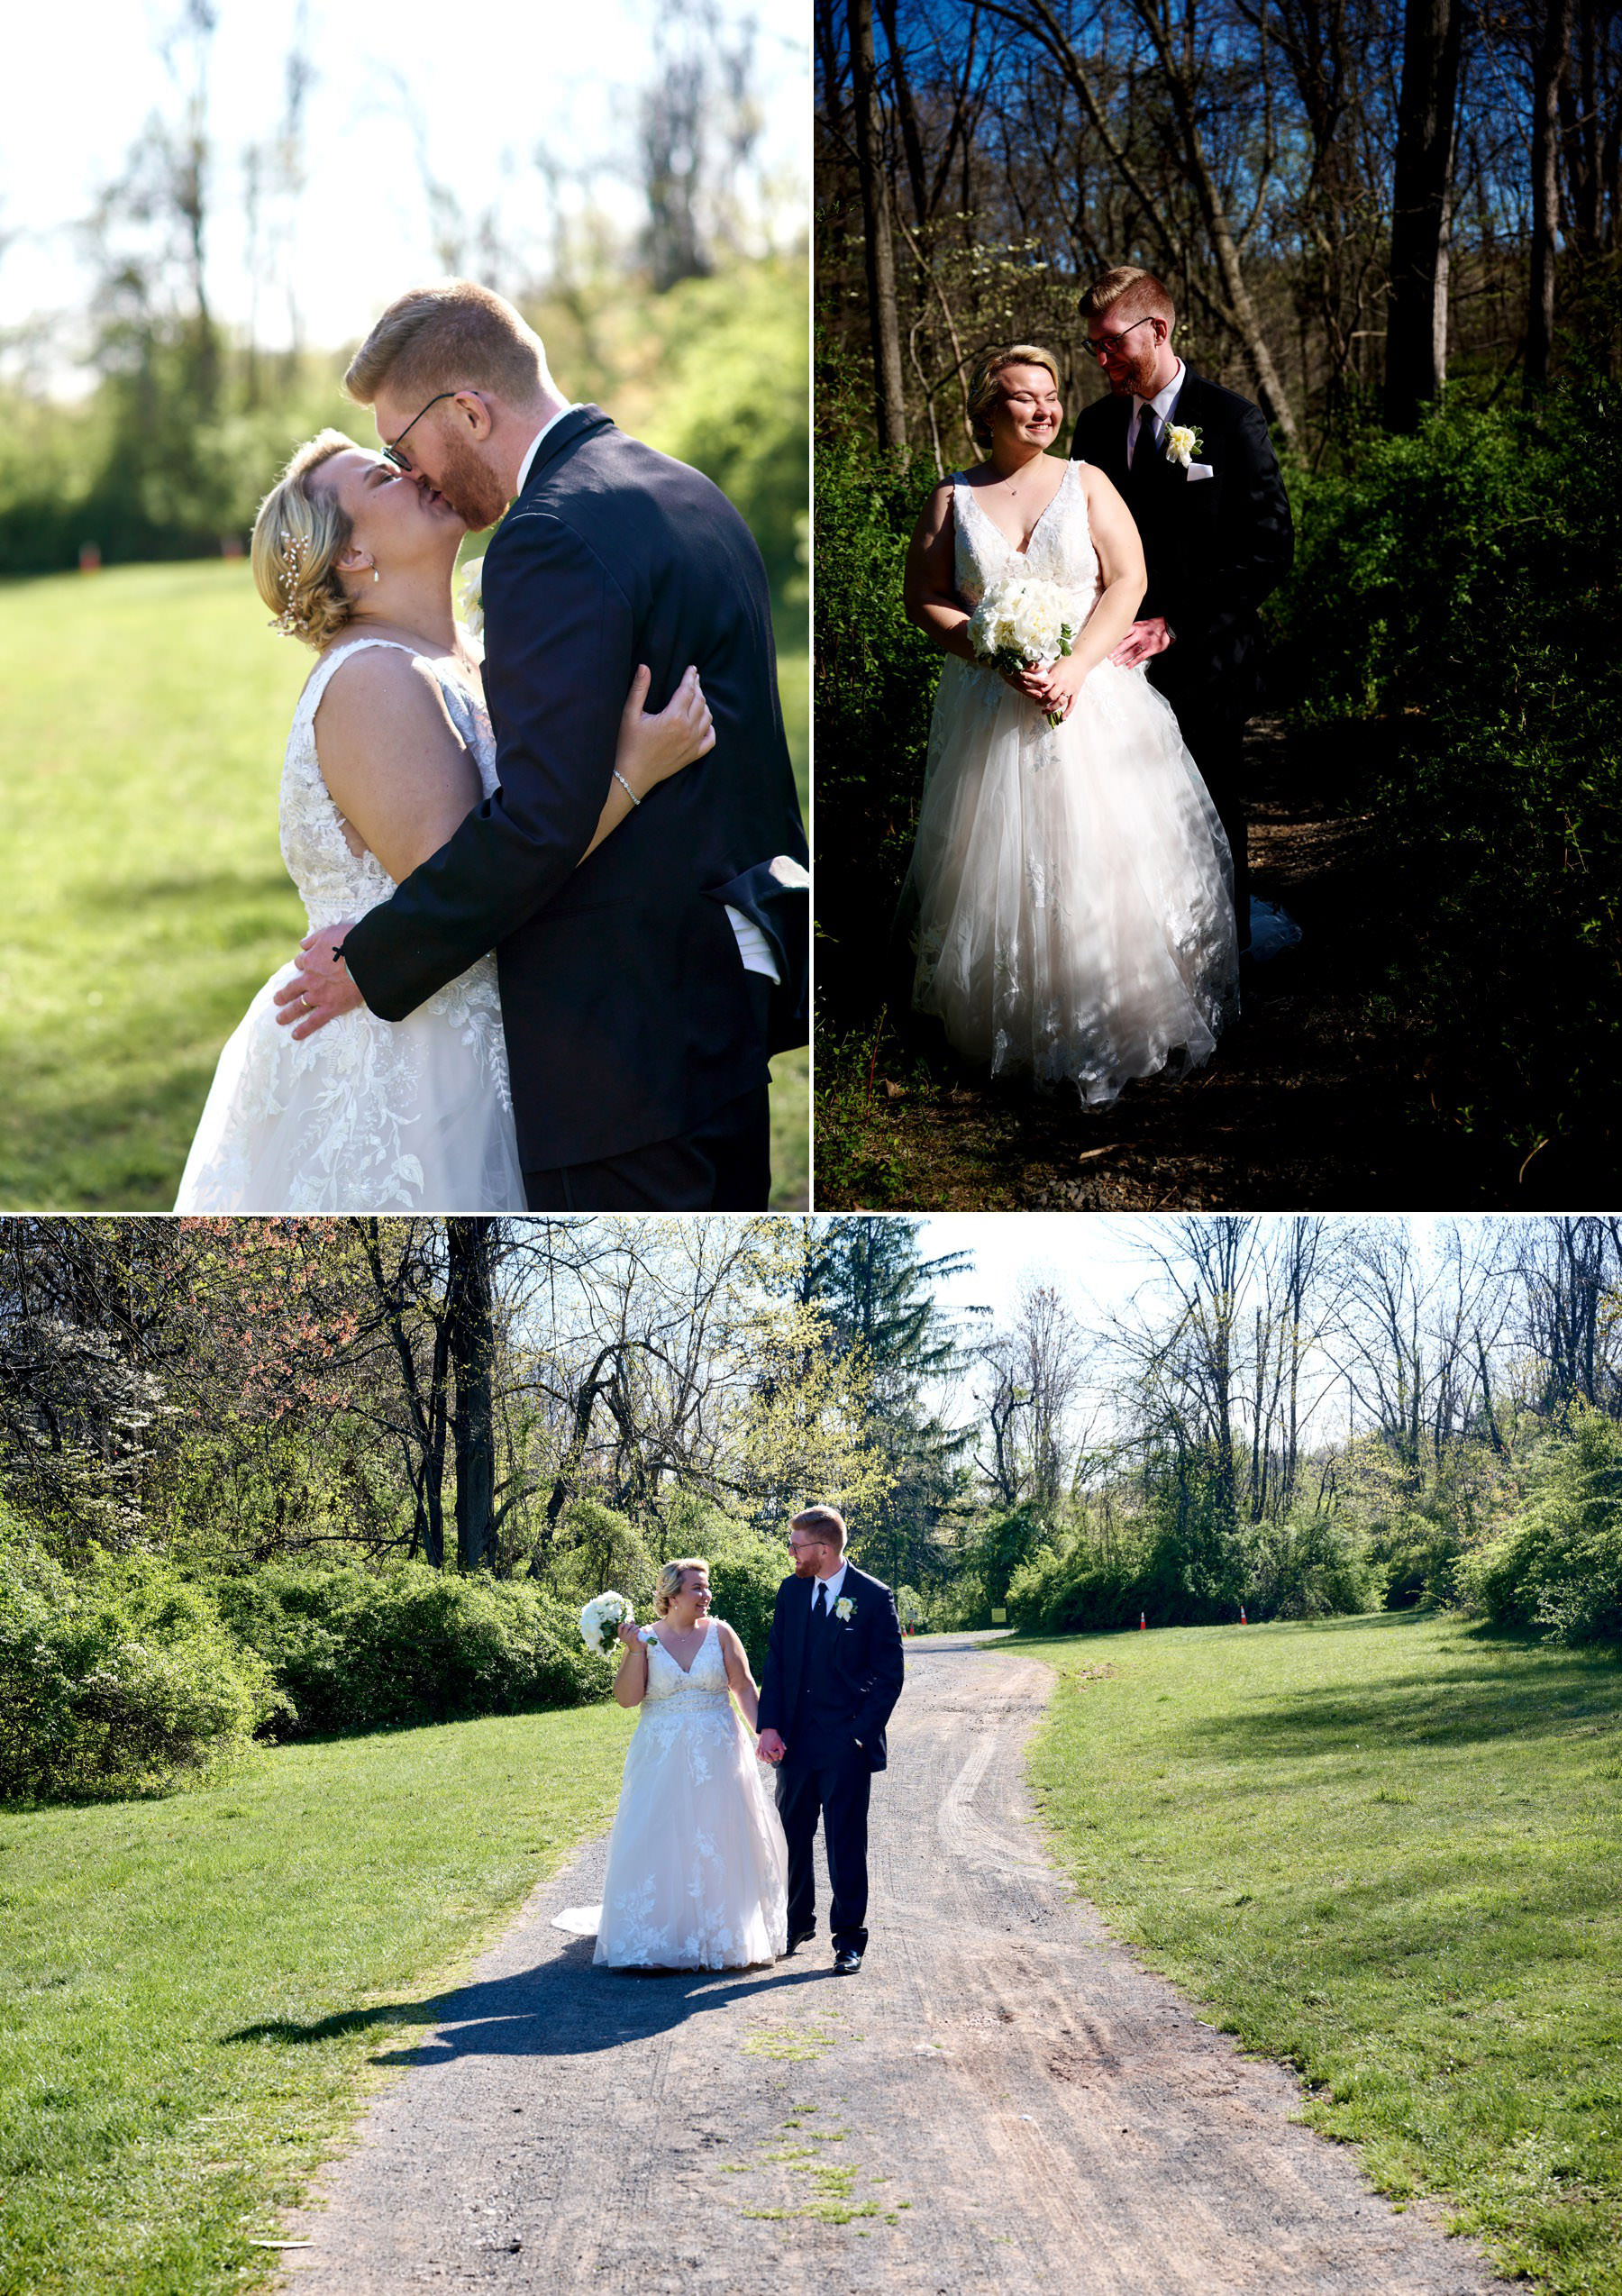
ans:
(320, 677)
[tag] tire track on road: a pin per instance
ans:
(1003, 2100)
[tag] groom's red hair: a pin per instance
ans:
(1130, 293)
(824, 1523)
(455, 335)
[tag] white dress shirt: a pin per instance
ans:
(833, 1586)
(1163, 403)
(753, 947)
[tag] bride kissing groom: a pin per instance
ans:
(640, 875)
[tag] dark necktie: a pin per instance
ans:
(819, 1607)
(1148, 434)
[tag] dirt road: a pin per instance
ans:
(1001, 2100)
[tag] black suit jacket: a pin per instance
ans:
(1214, 547)
(628, 1014)
(865, 1654)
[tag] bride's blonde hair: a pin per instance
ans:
(668, 1585)
(298, 537)
(985, 384)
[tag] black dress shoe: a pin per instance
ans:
(847, 1961)
(799, 1938)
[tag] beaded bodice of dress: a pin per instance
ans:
(699, 1700)
(702, 1684)
(333, 882)
(1060, 548)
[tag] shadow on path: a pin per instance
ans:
(560, 2006)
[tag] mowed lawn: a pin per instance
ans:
(1386, 1851)
(194, 1993)
(146, 713)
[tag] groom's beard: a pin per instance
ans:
(478, 498)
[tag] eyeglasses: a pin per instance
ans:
(1102, 346)
(392, 452)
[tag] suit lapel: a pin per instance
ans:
(580, 421)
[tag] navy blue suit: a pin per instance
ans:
(828, 1690)
(631, 1022)
(1214, 549)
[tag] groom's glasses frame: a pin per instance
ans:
(392, 451)
(1101, 346)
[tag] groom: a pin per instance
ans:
(644, 990)
(833, 1671)
(1216, 531)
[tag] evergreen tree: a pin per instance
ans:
(878, 1291)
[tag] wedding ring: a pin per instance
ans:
(304, 1000)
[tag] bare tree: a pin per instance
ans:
(1422, 209)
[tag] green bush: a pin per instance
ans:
(117, 1682)
(875, 681)
(1559, 1565)
(1177, 1565)
(1309, 1566)
(734, 386)
(1457, 600)
(354, 1650)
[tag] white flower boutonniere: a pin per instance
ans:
(472, 597)
(1183, 444)
(845, 1608)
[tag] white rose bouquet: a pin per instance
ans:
(601, 1618)
(1023, 623)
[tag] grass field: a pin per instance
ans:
(1386, 1851)
(145, 897)
(157, 1960)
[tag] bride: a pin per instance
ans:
(1070, 899)
(390, 747)
(697, 1865)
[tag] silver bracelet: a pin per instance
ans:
(624, 785)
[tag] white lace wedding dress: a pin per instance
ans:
(1069, 900)
(697, 1866)
(366, 1115)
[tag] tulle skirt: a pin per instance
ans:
(697, 1866)
(365, 1115)
(1069, 900)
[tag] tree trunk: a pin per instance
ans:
(889, 404)
(470, 1319)
(1422, 210)
(1551, 66)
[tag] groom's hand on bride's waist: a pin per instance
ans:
(320, 989)
(1144, 640)
(769, 1747)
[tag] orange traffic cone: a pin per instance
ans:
(1142, 1622)
(1244, 1621)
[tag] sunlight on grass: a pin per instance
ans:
(147, 710)
(195, 1989)
(1386, 1851)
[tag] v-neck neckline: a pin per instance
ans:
(692, 1662)
(1019, 550)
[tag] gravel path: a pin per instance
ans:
(1003, 2099)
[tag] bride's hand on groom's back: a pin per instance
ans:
(652, 747)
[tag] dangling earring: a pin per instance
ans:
(375, 575)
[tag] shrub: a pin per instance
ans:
(1462, 586)
(1560, 1564)
(116, 1682)
(1309, 1566)
(353, 1650)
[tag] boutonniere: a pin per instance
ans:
(1184, 444)
(845, 1608)
(472, 597)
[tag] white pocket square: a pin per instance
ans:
(1199, 470)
